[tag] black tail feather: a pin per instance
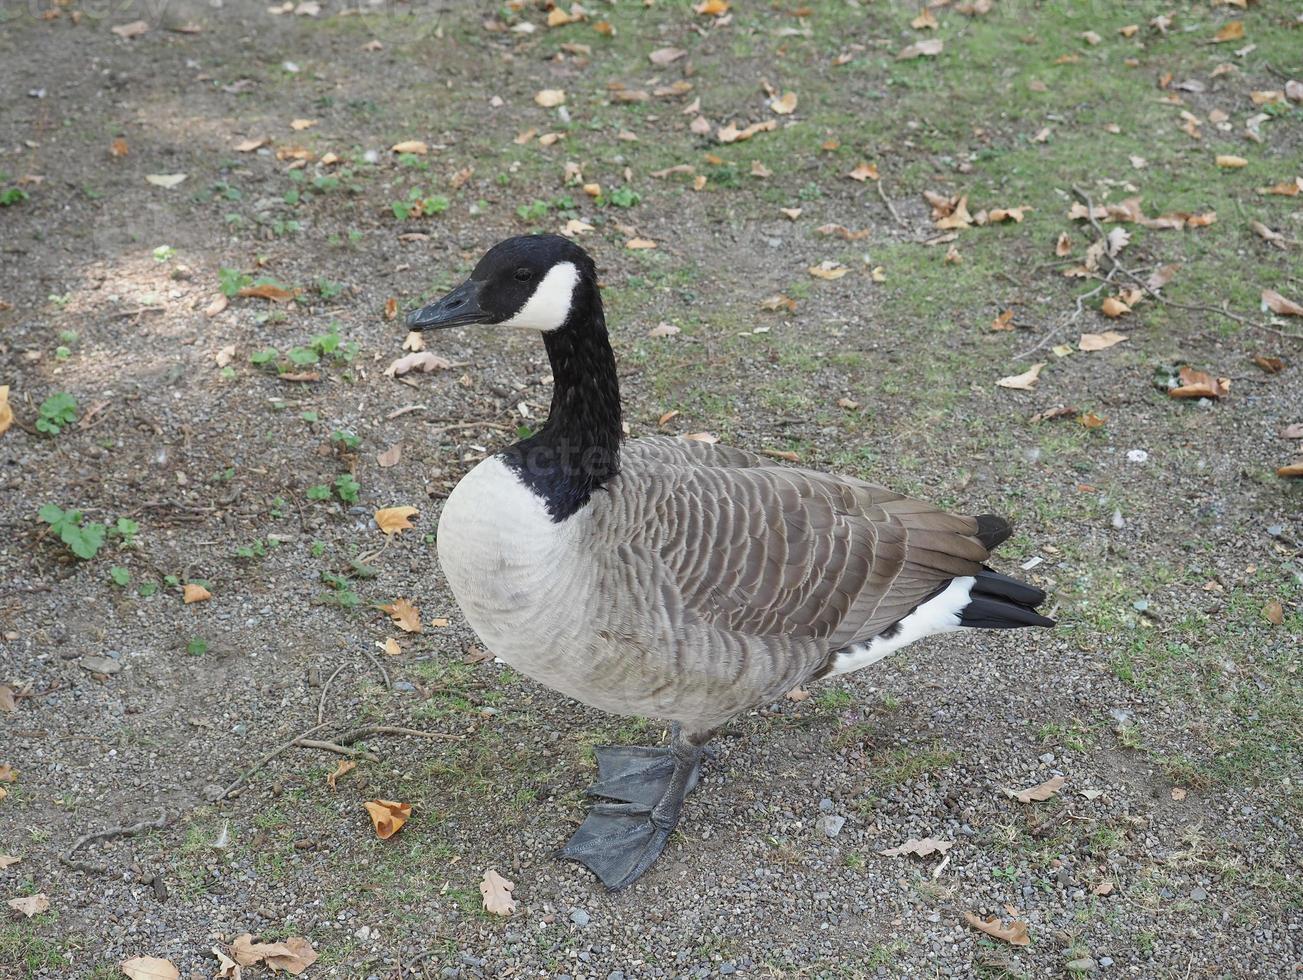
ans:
(991, 530)
(1000, 602)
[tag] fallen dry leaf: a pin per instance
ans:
(663, 330)
(7, 702)
(865, 171)
(1015, 933)
(639, 244)
(7, 859)
(413, 147)
(850, 404)
(1272, 300)
(390, 646)
(1004, 321)
(1100, 341)
(6, 410)
(550, 98)
(269, 292)
(664, 56)
(797, 694)
(709, 438)
(1113, 307)
(225, 356)
(149, 968)
(1103, 888)
(496, 891)
(922, 847)
(785, 104)
(294, 955)
(1286, 188)
(30, 905)
(778, 302)
(1269, 365)
(925, 21)
(1293, 470)
(1058, 411)
(194, 592)
(842, 232)
(343, 767)
(405, 615)
(1229, 162)
(1199, 384)
(219, 303)
(249, 145)
(118, 148)
(1274, 613)
(387, 816)
(1231, 31)
(1268, 235)
(1291, 431)
(1063, 246)
(8, 774)
(391, 520)
(791, 214)
(1025, 381)
(418, 361)
(128, 31)
(929, 48)
(164, 180)
(731, 134)
(1037, 794)
(711, 8)
(390, 457)
(827, 269)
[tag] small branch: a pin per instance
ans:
(325, 690)
(66, 858)
(314, 743)
(267, 758)
(380, 667)
(890, 207)
(365, 732)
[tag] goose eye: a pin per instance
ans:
(524, 275)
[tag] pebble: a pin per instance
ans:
(1198, 894)
(579, 917)
(1083, 965)
(832, 825)
(1048, 758)
(1106, 961)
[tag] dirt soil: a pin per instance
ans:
(1169, 697)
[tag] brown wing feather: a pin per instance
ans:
(768, 550)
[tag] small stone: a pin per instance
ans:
(826, 805)
(1083, 965)
(1106, 961)
(579, 917)
(404, 686)
(1198, 894)
(615, 975)
(1048, 758)
(832, 825)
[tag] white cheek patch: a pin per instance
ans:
(549, 306)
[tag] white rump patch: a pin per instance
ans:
(549, 306)
(939, 614)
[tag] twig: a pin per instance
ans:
(1190, 307)
(380, 667)
(360, 733)
(267, 758)
(316, 743)
(469, 425)
(890, 207)
(325, 689)
(66, 858)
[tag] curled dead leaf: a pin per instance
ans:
(269, 291)
(391, 520)
(1232, 30)
(30, 905)
(1100, 341)
(193, 592)
(387, 816)
(390, 457)
(1004, 321)
(550, 98)
(1113, 307)
(1025, 381)
(865, 171)
(639, 244)
(797, 694)
(1038, 793)
(1229, 161)
(149, 968)
(778, 302)
(343, 767)
(414, 147)
(785, 104)
(731, 134)
(405, 615)
(828, 269)
(1276, 303)
(1015, 933)
(929, 48)
(1199, 384)
(418, 361)
(496, 893)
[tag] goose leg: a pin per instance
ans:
(619, 841)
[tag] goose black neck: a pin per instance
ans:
(578, 451)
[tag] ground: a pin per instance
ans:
(1168, 696)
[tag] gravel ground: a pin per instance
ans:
(1168, 699)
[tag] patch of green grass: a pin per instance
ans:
(27, 953)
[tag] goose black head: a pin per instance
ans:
(533, 281)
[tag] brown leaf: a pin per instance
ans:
(952, 256)
(705, 437)
(791, 214)
(865, 171)
(663, 330)
(1102, 889)
(1232, 30)
(1037, 794)
(1058, 411)
(6, 410)
(785, 104)
(731, 134)
(413, 147)
(1004, 321)
(711, 8)
(1229, 162)
(7, 702)
(405, 615)
(997, 215)
(496, 892)
(1161, 276)
(784, 454)
(1277, 303)
(1269, 365)
(8, 774)
(778, 302)
(797, 694)
(1293, 470)
(387, 816)
(665, 56)
(1292, 431)
(391, 520)
(343, 767)
(1274, 613)
(118, 148)
(149, 968)
(1100, 341)
(219, 303)
(827, 269)
(1015, 933)
(1113, 307)
(128, 31)
(925, 21)
(1286, 188)
(550, 98)
(420, 360)
(1089, 420)
(929, 48)
(249, 145)
(957, 217)
(842, 232)
(30, 905)
(1063, 246)
(920, 847)
(390, 646)
(194, 593)
(1025, 381)
(269, 292)
(1267, 235)
(7, 859)
(294, 955)
(1199, 384)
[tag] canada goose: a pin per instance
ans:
(675, 579)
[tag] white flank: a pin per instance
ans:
(548, 308)
(938, 615)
